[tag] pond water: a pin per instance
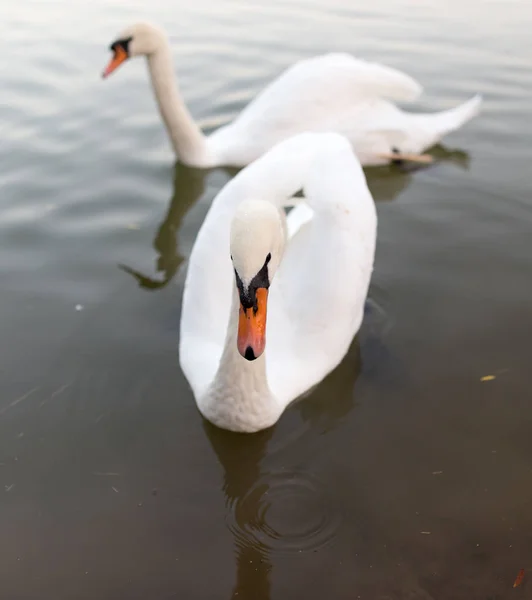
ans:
(403, 475)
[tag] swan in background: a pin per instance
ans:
(333, 92)
(300, 282)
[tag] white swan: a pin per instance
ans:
(311, 271)
(333, 92)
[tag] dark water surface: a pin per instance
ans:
(402, 476)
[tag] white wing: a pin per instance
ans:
(309, 96)
(317, 297)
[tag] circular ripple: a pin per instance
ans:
(284, 513)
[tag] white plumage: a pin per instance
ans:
(333, 92)
(320, 269)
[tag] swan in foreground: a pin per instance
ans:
(308, 273)
(332, 92)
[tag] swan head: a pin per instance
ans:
(257, 243)
(140, 39)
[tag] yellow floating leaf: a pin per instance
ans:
(487, 378)
(133, 226)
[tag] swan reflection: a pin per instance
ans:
(258, 481)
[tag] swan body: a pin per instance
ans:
(311, 269)
(333, 92)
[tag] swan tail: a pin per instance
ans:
(442, 123)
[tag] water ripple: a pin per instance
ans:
(284, 513)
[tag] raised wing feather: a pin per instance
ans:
(305, 97)
(314, 88)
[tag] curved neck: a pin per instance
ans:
(283, 171)
(187, 139)
(239, 397)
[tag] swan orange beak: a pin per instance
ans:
(120, 55)
(251, 339)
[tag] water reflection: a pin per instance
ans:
(330, 403)
(189, 185)
(278, 510)
(386, 183)
(241, 456)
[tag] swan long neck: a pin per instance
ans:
(284, 170)
(187, 139)
(239, 397)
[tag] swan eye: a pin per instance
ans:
(124, 44)
(268, 258)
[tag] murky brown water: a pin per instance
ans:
(403, 475)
